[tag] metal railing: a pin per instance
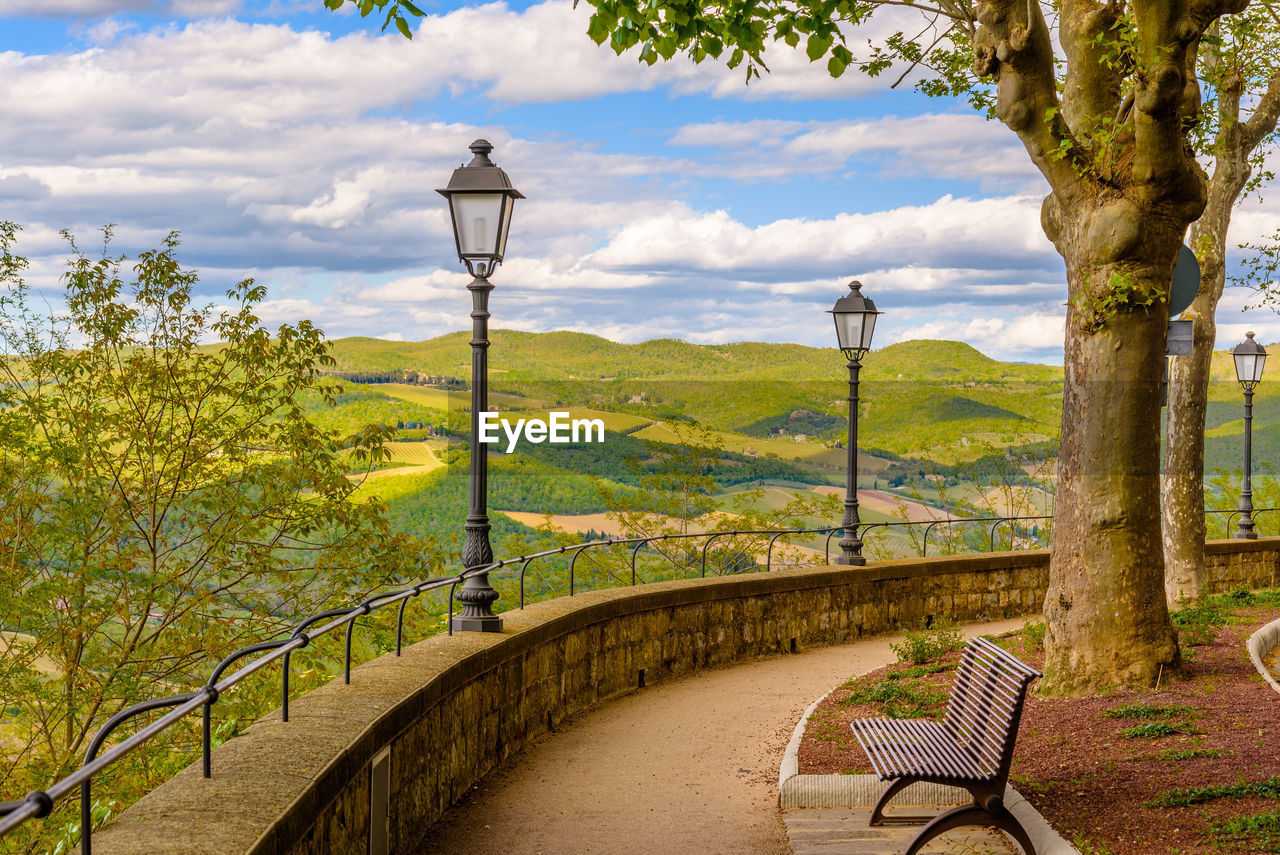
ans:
(1232, 514)
(40, 803)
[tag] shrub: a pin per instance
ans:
(927, 644)
(1197, 623)
(1033, 632)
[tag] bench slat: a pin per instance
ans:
(952, 752)
(900, 747)
(975, 739)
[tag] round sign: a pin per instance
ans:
(1186, 282)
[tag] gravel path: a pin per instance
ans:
(688, 767)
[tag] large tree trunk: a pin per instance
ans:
(1119, 207)
(1107, 620)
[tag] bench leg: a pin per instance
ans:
(895, 786)
(970, 815)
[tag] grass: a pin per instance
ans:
(1188, 796)
(784, 449)
(436, 399)
(616, 422)
(917, 671)
(1155, 730)
(1242, 597)
(1260, 831)
(1173, 755)
(1197, 623)
(1147, 711)
(1033, 633)
(900, 698)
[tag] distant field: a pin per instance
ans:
(436, 399)
(786, 449)
(439, 399)
(418, 454)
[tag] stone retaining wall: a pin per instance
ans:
(453, 708)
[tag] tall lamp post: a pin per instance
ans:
(480, 201)
(1250, 357)
(855, 318)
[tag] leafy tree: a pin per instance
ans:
(1239, 66)
(1110, 121)
(162, 503)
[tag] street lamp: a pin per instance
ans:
(855, 318)
(480, 201)
(1250, 357)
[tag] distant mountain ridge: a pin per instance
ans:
(567, 355)
(933, 399)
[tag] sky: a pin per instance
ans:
(303, 148)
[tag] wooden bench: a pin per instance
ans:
(971, 747)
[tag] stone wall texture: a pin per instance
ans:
(453, 708)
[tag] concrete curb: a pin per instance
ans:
(1259, 645)
(845, 791)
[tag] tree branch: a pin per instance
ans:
(1017, 52)
(1265, 115)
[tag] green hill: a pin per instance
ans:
(940, 400)
(578, 356)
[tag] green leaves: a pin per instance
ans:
(396, 11)
(816, 46)
(162, 501)
(840, 60)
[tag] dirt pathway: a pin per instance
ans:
(688, 767)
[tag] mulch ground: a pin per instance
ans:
(1093, 785)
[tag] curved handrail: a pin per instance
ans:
(209, 693)
(40, 803)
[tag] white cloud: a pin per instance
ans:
(1037, 335)
(941, 145)
(954, 232)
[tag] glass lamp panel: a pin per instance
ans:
(507, 204)
(1245, 367)
(868, 327)
(1258, 362)
(849, 329)
(477, 217)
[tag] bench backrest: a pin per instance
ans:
(986, 703)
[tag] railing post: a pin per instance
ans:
(523, 569)
(768, 560)
(634, 550)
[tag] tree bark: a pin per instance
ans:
(1122, 198)
(1183, 480)
(1107, 620)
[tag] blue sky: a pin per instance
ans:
(302, 148)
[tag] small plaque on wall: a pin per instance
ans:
(1179, 342)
